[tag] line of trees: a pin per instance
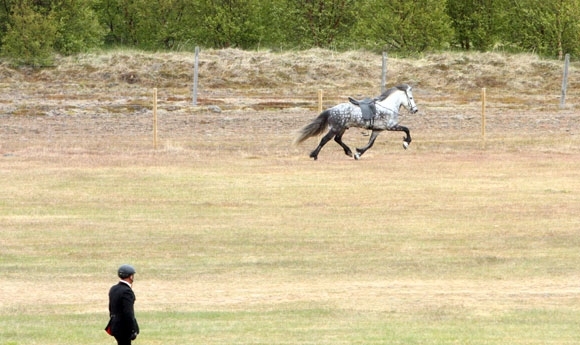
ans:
(31, 31)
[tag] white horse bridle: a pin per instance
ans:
(412, 109)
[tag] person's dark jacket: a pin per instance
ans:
(121, 301)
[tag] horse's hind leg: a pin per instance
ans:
(407, 139)
(325, 139)
(361, 151)
(338, 139)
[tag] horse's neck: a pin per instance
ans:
(391, 104)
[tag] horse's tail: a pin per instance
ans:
(316, 127)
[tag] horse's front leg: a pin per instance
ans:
(338, 139)
(360, 151)
(407, 139)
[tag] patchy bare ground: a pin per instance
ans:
(103, 103)
(402, 296)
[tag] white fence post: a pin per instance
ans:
(195, 72)
(155, 118)
(483, 101)
(384, 74)
(565, 81)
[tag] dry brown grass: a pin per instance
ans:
(298, 74)
(88, 99)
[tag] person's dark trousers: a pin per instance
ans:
(123, 341)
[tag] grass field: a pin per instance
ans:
(239, 238)
(423, 249)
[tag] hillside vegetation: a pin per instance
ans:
(34, 30)
(297, 72)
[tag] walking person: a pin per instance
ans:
(122, 323)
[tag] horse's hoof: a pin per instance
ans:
(357, 156)
(405, 145)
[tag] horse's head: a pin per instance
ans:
(411, 106)
(392, 99)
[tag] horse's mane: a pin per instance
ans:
(387, 93)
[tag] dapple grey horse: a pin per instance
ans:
(345, 115)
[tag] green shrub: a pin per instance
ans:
(78, 28)
(29, 38)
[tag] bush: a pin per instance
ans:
(78, 28)
(29, 38)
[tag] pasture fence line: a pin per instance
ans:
(383, 79)
(281, 103)
(311, 100)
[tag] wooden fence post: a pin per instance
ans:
(155, 118)
(565, 81)
(384, 73)
(483, 95)
(195, 73)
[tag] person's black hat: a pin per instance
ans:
(126, 271)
